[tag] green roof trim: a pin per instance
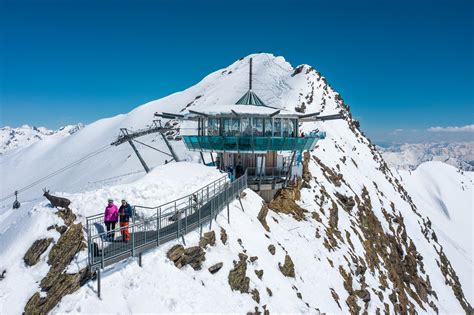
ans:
(250, 98)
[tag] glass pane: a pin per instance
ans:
(235, 126)
(245, 127)
(277, 127)
(227, 128)
(257, 124)
(213, 127)
(268, 127)
(286, 127)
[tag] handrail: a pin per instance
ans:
(165, 225)
(98, 218)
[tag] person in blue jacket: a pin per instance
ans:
(125, 213)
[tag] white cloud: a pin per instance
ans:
(467, 128)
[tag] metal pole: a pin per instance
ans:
(241, 204)
(133, 239)
(140, 259)
(159, 225)
(98, 283)
(157, 228)
(88, 242)
(177, 218)
(139, 156)
(103, 250)
(210, 219)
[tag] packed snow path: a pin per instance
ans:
(171, 220)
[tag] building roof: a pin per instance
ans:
(235, 110)
(250, 98)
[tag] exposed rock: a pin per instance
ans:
(253, 258)
(3, 275)
(255, 295)
(288, 268)
(215, 268)
(306, 173)
(285, 201)
(209, 238)
(33, 254)
(175, 253)
(237, 276)
(270, 293)
(65, 284)
(223, 236)
(262, 217)
(259, 274)
(271, 249)
(67, 215)
(61, 229)
(193, 256)
(364, 295)
(62, 253)
(347, 202)
(57, 283)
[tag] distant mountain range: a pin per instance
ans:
(12, 138)
(410, 155)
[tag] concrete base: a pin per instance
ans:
(266, 190)
(267, 195)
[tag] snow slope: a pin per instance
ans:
(360, 237)
(445, 195)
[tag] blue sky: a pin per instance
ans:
(400, 65)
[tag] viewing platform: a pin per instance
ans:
(250, 144)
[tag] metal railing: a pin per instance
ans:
(95, 223)
(170, 221)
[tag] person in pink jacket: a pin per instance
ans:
(110, 219)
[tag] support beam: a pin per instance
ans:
(175, 157)
(241, 204)
(149, 146)
(289, 168)
(212, 159)
(202, 158)
(139, 156)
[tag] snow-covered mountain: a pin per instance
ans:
(408, 156)
(350, 238)
(12, 138)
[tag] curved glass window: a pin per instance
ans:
(257, 127)
(245, 127)
(213, 127)
(277, 127)
(267, 127)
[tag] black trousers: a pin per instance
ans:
(110, 226)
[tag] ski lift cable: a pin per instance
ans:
(68, 166)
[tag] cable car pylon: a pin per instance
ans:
(129, 136)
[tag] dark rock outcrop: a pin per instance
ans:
(209, 238)
(57, 283)
(193, 256)
(33, 254)
(215, 268)
(238, 279)
(223, 236)
(262, 217)
(271, 249)
(288, 268)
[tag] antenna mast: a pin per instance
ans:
(250, 75)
